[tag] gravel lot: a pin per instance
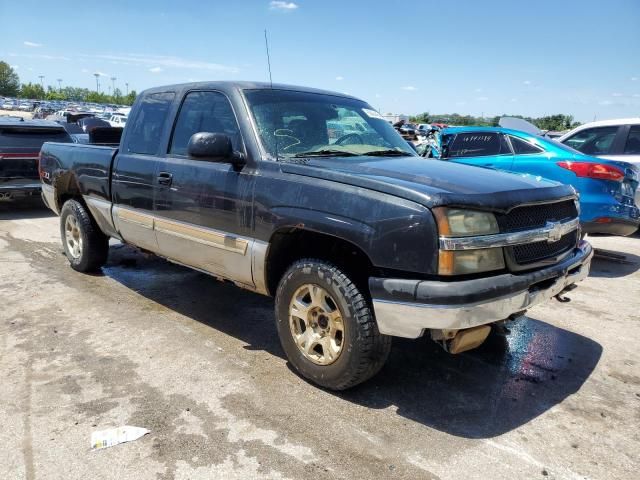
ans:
(197, 362)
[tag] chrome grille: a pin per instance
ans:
(535, 252)
(536, 216)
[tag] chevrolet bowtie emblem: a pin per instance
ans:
(555, 231)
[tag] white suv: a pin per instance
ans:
(614, 139)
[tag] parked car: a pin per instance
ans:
(89, 123)
(407, 130)
(42, 112)
(423, 129)
(358, 239)
(613, 139)
(20, 142)
(607, 188)
(117, 120)
(8, 105)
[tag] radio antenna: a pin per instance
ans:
(266, 44)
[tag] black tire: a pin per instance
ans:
(364, 349)
(95, 244)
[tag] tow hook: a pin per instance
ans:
(561, 298)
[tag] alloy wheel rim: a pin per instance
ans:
(316, 324)
(73, 237)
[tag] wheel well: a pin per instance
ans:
(290, 245)
(66, 189)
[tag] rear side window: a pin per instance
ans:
(146, 130)
(520, 147)
(593, 141)
(632, 147)
(478, 144)
(31, 137)
(204, 112)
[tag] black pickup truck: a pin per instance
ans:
(312, 197)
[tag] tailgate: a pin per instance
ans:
(18, 163)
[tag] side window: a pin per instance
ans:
(204, 112)
(520, 147)
(477, 145)
(632, 147)
(593, 141)
(146, 128)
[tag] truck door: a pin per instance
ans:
(203, 207)
(134, 183)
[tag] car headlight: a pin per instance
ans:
(455, 222)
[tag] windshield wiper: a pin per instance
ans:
(325, 153)
(387, 153)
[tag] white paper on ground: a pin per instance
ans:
(114, 436)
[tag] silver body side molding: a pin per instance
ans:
(49, 197)
(220, 254)
(101, 211)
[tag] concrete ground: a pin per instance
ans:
(197, 362)
(16, 113)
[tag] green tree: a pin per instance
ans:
(9, 81)
(31, 90)
(421, 118)
(54, 94)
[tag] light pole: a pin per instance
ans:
(97, 75)
(41, 77)
(60, 85)
(113, 84)
(127, 85)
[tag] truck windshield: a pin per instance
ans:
(299, 124)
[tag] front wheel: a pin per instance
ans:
(85, 246)
(326, 326)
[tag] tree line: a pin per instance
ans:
(557, 122)
(10, 86)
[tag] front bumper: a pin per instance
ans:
(405, 308)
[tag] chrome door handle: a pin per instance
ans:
(165, 178)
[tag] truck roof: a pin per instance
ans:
(6, 121)
(227, 86)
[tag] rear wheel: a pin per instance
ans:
(85, 246)
(326, 326)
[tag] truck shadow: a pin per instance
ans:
(483, 393)
(31, 208)
(479, 394)
(620, 265)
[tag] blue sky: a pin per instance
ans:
(492, 57)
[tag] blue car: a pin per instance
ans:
(607, 188)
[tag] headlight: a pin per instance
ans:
(455, 222)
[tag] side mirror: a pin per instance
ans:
(216, 147)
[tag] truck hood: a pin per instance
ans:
(433, 183)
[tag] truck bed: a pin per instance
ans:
(86, 169)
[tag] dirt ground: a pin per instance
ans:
(16, 113)
(198, 363)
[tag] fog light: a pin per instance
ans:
(460, 262)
